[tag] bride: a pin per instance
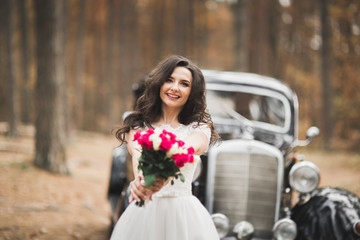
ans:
(174, 99)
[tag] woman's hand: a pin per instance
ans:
(157, 185)
(139, 191)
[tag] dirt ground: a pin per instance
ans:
(35, 204)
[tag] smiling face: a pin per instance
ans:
(175, 91)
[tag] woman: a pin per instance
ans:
(174, 99)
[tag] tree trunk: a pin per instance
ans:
(79, 65)
(110, 62)
(128, 52)
(325, 75)
(62, 39)
(273, 25)
(26, 105)
(262, 40)
(201, 32)
(13, 95)
(50, 140)
(190, 28)
(180, 23)
(241, 30)
(159, 26)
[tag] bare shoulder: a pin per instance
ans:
(202, 129)
(199, 140)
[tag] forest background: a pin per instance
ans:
(105, 46)
(67, 69)
(69, 65)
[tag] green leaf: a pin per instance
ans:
(182, 178)
(150, 179)
(161, 165)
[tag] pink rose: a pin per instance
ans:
(150, 131)
(170, 134)
(180, 159)
(191, 150)
(190, 158)
(166, 143)
(144, 141)
(180, 143)
(137, 135)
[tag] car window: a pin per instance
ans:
(261, 109)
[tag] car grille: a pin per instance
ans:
(245, 188)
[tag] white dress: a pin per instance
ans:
(174, 213)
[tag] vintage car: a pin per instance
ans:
(248, 181)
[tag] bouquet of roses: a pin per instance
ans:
(162, 156)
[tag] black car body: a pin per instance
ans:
(247, 181)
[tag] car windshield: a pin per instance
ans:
(248, 108)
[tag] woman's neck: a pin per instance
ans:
(170, 117)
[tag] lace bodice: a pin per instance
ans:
(182, 188)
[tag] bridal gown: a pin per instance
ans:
(174, 213)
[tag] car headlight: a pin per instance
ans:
(243, 230)
(285, 229)
(304, 177)
(221, 223)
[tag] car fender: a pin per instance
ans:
(330, 214)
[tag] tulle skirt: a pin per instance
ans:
(176, 218)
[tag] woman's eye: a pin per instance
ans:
(168, 80)
(185, 84)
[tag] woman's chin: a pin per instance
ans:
(173, 104)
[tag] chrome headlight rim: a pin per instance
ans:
(308, 168)
(285, 227)
(356, 227)
(243, 230)
(222, 224)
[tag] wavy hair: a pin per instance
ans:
(148, 108)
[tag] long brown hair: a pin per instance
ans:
(148, 107)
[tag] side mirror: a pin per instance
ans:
(312, 132)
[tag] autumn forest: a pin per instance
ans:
(79, 59)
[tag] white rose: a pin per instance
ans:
(157, 131)
(173, 150)
(156, 141)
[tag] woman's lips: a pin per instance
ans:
(173, 96)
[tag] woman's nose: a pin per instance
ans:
(175, 86)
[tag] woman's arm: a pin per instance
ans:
(134, 150)
(137, 189)
(199, 139)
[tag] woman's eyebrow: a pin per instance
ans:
(185, 80)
